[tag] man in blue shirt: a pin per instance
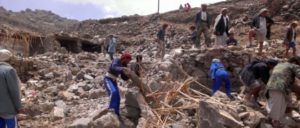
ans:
(219, 76)
(116, 69)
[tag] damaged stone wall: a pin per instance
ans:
(23, 43)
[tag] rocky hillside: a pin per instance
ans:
(35, 20)
(65, 90)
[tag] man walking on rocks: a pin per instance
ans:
(161, 41)
(202, 25)
(112, 46)
(255, 76)
(279, 87)
(221, 28)
(219, 76)
(116, 69)
(290, 38)
(10, 99)
(259, 29)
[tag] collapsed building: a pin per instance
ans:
(62, 88)
(25, 43)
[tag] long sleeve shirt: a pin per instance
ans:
(283, 77)
(202, 17)
(116, 69)
(214, 68)
(10, 99)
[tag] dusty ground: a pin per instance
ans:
(60, 87)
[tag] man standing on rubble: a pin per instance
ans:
(112, 46)
(279, 87)
(10, 99)
(290, 38)
(219, 76)
(161, 41)
(202, 25)
(221, 28)
(255, 76)
(259, 29)
(116, 69)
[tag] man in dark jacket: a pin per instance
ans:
(254, 76)
(270, 22)
(117, 68)
(290, 38)
(279, 88)
(162, 41)
(259, 29)
(221, 28)
(10, 99)
(202, 25)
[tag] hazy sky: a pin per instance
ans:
(96, 9)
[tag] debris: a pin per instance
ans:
(81, 123)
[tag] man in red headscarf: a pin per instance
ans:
(116, 69)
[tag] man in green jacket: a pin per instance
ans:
(278, 88)
(10, 101)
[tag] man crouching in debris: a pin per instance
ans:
(255, 76)
(118, 67)
(220, 75)
(10, 99)
(278, 88)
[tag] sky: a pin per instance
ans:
(98, 9)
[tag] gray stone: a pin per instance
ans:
(32, 83)
(289, 122)
(49, 75)
(132, 107)
(73, 88)
(244, 115)
(58, 113)
(265, 125)
(216, 116)
(109, 120)
(81, 93)
(88, 77)
(61, 104)
(179, 125)
(154, 85)
(98, 113)
(68, 76)
(81, 123)
(46, 107)
(67, 95)
(95, 94)
(80, 75)
(254, 119)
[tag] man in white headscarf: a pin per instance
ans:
(259, 28)
(221, 28)
(10, 99)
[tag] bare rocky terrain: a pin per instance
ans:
(40, 21)
(65, 89)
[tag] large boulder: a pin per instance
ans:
(58, 113)
(81, 123)
(109, 120)
(213, 115)
(253, 119)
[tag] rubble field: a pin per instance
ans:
(62, 77)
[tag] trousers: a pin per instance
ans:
(113, 92)
(220, 78)
(8, 122)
